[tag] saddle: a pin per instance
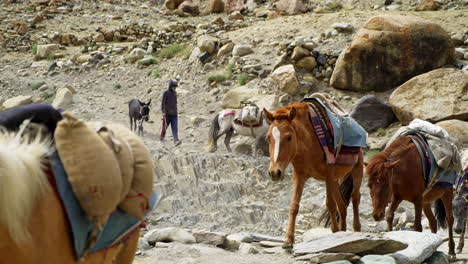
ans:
(330, 103)
(39, 114)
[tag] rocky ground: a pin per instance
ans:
(102, 54)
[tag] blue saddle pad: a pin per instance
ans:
(118, 225)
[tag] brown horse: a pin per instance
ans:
(396, 174)
(33, 224)
(292, 140)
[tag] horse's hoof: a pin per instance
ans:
(452, 256)
(459, 251)
(286, 245)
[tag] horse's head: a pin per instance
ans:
(282, 141)
(460, 208)
(379, 171)
(145, 110)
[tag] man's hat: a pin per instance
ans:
(172, 83)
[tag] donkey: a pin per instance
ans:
(248, 121)
(137, 110)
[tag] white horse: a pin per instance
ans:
(248, 121)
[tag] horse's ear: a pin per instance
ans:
(391, 164)
(269, 116)
(292, 114)
(149, 102)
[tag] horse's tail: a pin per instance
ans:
(440, 214)
(22, 180)
(214, 130)
(346, 189)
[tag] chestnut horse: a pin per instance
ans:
(33, 224)
(292, 140)
(396, 174)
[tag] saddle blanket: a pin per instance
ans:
(431, 170)
(328, 135)
(119, 227)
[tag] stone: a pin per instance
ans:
(310, 45)
(233, 98)
(20, 26)
(458, 131)
(218, 21)
(190, 8)
(438, 258)
(274, 250)
(428, 5)
(195, 53)
(286, 78)
(421, 245)
(215, 6)
(138, 52)
(246, 249)
(343, 27)
(63, 98)
(17, 101)
(326, 257)
(234, 5)
(196, 120)
(282, 60)
(242, 50)
(299, 53)
(170, 234)
(236, 15)
(376, 259)
(261, 237)
(426, 45)
(405, 218)
(273, 15)
(346, 242)
(44, 51)
(225, 50)
(372, 113)
(270, 244)
(307, 63)
(210, 238)
(233, 241)
(172, 4)
(315, 233)
(437, 95)
(207, 44)
(270, 102)
(68, 39)
(291, 7)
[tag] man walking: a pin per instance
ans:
(169, 111)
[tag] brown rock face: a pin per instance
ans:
(190, 7)
(438, 95)
(20, 26)
(291, 7)
(389, 50)
(173, 4)
(234, 5)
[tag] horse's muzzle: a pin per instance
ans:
(378, 216)
(276, 175)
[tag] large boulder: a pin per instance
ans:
(372, 113)
(63, 98)
(172, 4)
(207, 44)
(17, 101)
(233, 98)
(421, 245)
(190, 8)
(286, 78)
(242, 50)
(458, 131)
(437, 95)
(215, 6)
(234, 5)
(291, 7)
(389, 50)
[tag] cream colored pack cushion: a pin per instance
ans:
(92, 168)
(137, 201)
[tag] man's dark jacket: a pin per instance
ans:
(169, 102)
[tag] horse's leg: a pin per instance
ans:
(357, 174)
(298, 187)
(131, 124)
(430, 217)
(391, 212)
(447, 200)
(461, 241)
(127, 253)
(227, 139)
(331, 204)
(418, 204)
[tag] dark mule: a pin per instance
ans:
(460, 212)
(292, 140)
(396, 174)
(137, 110)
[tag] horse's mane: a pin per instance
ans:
(283, 113)
(22, 179)
(377, 169)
